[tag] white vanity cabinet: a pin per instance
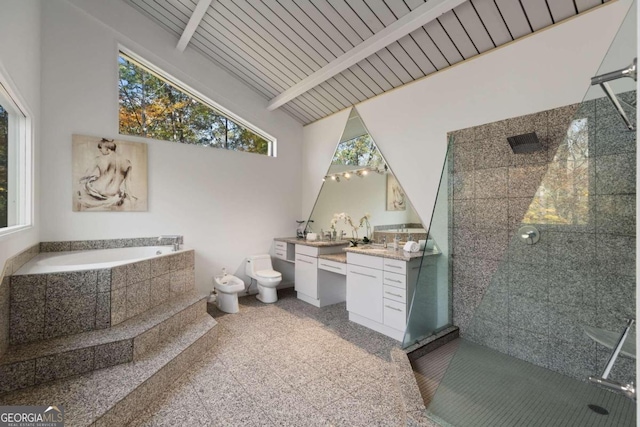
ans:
(364, 292)
(284, 251)
(378, 292)
(364, 286)
(306, 275)
(319, 281)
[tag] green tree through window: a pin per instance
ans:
(152, 107)
(359, 151)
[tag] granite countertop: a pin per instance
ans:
(314, 243)
(390, 253)
(335, 257)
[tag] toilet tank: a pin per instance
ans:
(257, 263)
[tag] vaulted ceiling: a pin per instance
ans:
(292, 46)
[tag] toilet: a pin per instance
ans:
(227, 288)
(259, 267)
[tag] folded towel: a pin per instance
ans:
(411, 246)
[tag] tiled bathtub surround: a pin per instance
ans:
(84, 245)
(45, 306)
(11, 265)
(530, 301)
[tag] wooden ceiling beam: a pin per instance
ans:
(415, 19)
(192, 25)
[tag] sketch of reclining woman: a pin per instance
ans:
(105, 184)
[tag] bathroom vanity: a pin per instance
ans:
(320, 268)
(380, 283)
(376, 283)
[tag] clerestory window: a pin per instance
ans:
(155, 105)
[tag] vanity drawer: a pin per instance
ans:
(280, 250)
(333, 266)
(365, 260)
(395, 314)
(396, 294)
(395, 279)
(306, 250)
(395, 266)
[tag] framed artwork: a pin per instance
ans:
(109, 175)
(396, 199)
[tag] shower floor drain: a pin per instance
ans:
(598, 409)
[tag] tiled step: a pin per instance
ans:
(36, 363)
(115, 395)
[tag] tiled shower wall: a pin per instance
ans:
(530, 301)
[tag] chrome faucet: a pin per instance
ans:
(177, 240)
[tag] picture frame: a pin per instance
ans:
(109, 175)
(396, 197)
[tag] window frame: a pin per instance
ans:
(198, 96)
(20, 179)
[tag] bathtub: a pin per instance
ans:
(54, 262)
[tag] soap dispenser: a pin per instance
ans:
(396, 242)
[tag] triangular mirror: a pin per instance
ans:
(360, 198)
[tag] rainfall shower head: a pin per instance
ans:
(526, 143)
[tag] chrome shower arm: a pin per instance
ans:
(631, 71)
(601, 80)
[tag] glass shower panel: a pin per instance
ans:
(430, 308)
(532, 313)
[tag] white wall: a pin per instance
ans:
(227, 204)
(20, 58)
(409, 124)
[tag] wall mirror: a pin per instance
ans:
(360, 197)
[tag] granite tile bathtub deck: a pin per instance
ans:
(288, 364)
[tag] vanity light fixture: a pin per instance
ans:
(360, 172)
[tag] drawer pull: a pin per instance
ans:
(362, 274)
(393, 308)
(305, 261)
(395, 295)
(279, 254)
(394, 280)
(331, 266)
(392, 266)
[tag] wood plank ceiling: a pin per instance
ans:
(273, 44)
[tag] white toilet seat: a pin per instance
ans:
(268, 274)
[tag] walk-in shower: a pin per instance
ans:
(542, 324)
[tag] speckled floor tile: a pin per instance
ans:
(294, 364)
(182, 407)
(322, 392)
